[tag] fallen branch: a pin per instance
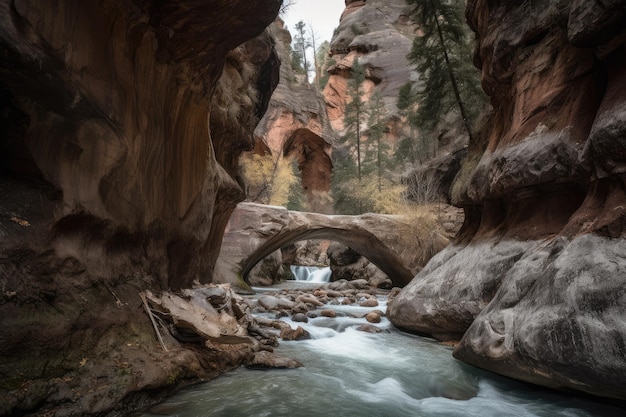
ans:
(154, 324)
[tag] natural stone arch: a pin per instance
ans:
(363, 242)
(393, 243)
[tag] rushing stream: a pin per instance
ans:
(311, 273)
(353, 373)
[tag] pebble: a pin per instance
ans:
(328, 313)
(373, 317)
(372, 302)
(369, 328)
(300, 317)
(309, 299)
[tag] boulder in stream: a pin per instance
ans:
(269, 360)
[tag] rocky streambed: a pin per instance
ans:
(346, 358)
(210, 317)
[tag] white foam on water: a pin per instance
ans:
(311, 273)
(353, 373)
(386, 390)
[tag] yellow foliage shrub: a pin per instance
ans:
(268, 181)
(283, 179)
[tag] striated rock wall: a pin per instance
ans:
(534, 286)
(380, 35)
(296, 124)
(99, 129)
(118, 174)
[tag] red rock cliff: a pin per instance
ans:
(379, 34)
(121, 124)
(534, 285)
(118, 98)
(296, 124)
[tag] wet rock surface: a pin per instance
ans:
(301, 304)
(267, 360)
(116, 176)
(531, 286)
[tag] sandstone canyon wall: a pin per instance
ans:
(534, 288)
(379, 34)
(118, 175)
(296, 124)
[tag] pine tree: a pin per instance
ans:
(297, 197)
(407, 103)
(296, 60)
(343, 184)
(375, 134)
(325, 62)
(441, 55)
(301, 44)
(355, 112)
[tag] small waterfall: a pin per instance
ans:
(311, 273)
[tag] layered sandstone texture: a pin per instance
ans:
(534, 286)
(296, 124)
(118, 158)
(379, 34)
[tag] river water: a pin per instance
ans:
(389, 374)
(311, 273)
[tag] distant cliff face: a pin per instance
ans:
(296, 123)
(118, 161)
(534, 285)
(380, 35)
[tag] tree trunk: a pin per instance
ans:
(379, 164)
(455, 86)
(315, 63)
(358, 137)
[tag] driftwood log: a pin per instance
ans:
(200, 314)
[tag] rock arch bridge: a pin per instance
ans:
(390, 242)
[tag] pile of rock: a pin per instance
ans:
(216, 318)
(301, 305)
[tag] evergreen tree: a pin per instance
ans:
(375, 134)
(296, 61)
(325, 62)
(296, 198)
(356, 111)
(301, 44)
(419, 146)
(406, 98)
(442, 57)
(343, 184)
(407, 103)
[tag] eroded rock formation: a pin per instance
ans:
(534, 286)
(296, 124)
(112, 182)
(379, 34)
(398, 246)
